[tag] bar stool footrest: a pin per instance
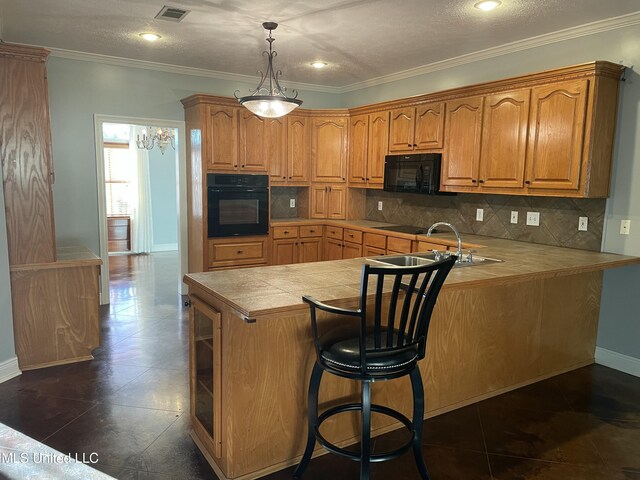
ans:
(379, 457)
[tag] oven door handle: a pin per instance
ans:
(250, 190)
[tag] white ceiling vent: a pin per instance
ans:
(173, 14)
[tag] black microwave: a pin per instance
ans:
(415, 173)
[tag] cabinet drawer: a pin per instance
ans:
(353, 236)
(396, 244)
(285, 232)
(236, 251)
(334, 232)
(375, 240)
(308, 231)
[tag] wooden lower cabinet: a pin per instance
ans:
(237, 251)
(294, 244)
(284, 251)
(310, 250)
(55, 309)
(333, 249)
(351, 250)
(205, 377)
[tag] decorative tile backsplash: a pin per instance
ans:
(280, 197)
(558, 216)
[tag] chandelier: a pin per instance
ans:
(269, 99)
(163, 137)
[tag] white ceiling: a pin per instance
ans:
(360, 39)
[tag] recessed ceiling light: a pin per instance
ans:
(318, 65)
(487, 5)
(150, 37)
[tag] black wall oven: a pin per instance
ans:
(237, 205)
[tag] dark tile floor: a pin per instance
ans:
(130, 405)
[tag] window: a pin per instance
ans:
(117, 166)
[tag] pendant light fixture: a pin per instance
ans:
(269, 99)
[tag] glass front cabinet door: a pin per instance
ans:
(205, 380)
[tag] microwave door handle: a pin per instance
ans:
(419, 178)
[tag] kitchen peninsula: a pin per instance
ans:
(495, 328)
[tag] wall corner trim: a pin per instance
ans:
(9, 369)
(618, 361)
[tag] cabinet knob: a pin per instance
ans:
(286, 232)
(290, 178)
(362, 178)
(408, 144)
(240, 252)
(242, 166)
(527, 182)
(312, 231)
(415, 144)
(284, 178)
(368, 179)
(474, 181)
(480, 181)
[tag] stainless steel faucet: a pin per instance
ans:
(455, 230)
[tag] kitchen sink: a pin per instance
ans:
(414, 259)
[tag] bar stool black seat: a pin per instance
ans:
(386, 343)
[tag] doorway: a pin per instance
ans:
(112, 183)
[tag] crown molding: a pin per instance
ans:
(512, 47)
(180, 70)
(517, 46)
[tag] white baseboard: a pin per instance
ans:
(164, 247)
(618, 361)
(9, 369)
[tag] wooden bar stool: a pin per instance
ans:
(387, 346)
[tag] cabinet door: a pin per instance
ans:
(358, 149)
(222, 138)
(463, 129)
(401, 129)
(318, 208)
(351, 250)
(429, 126)
(556, 129)
(378, 148)
(26, 161)
(205, 371)
(333, 249)
(298, 149)
(310, 250)
(276, 142)
(504, 139)
(285, 251)
(253, 144)
(336, 206)
(329, 149)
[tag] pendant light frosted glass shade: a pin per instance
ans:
(269, 99)
(269, 106)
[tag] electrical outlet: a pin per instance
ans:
(380, 206)
(514, 216)
(292, 202)
(533, 219)
(625, 227)
(479, 214)
(583, 222)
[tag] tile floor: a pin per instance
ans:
(130, 405)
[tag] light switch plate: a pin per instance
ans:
(583, 223)
(380, 206)
(514, 216)
(533, 219)
(292, 202)
(625, 227)
(479, 214)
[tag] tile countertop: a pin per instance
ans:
(261, 291)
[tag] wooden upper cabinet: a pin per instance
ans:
(417, 128)
(429, 127)
(222, 138)
(358, 149)
(378, 148)
(401, 129)
(368, 145)
(556, 131)
(276, 148)
(25, 142)
(329, 149)
(298, 149)
(253, 142)
(328, 201)
(463, 130)
(504, 139)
